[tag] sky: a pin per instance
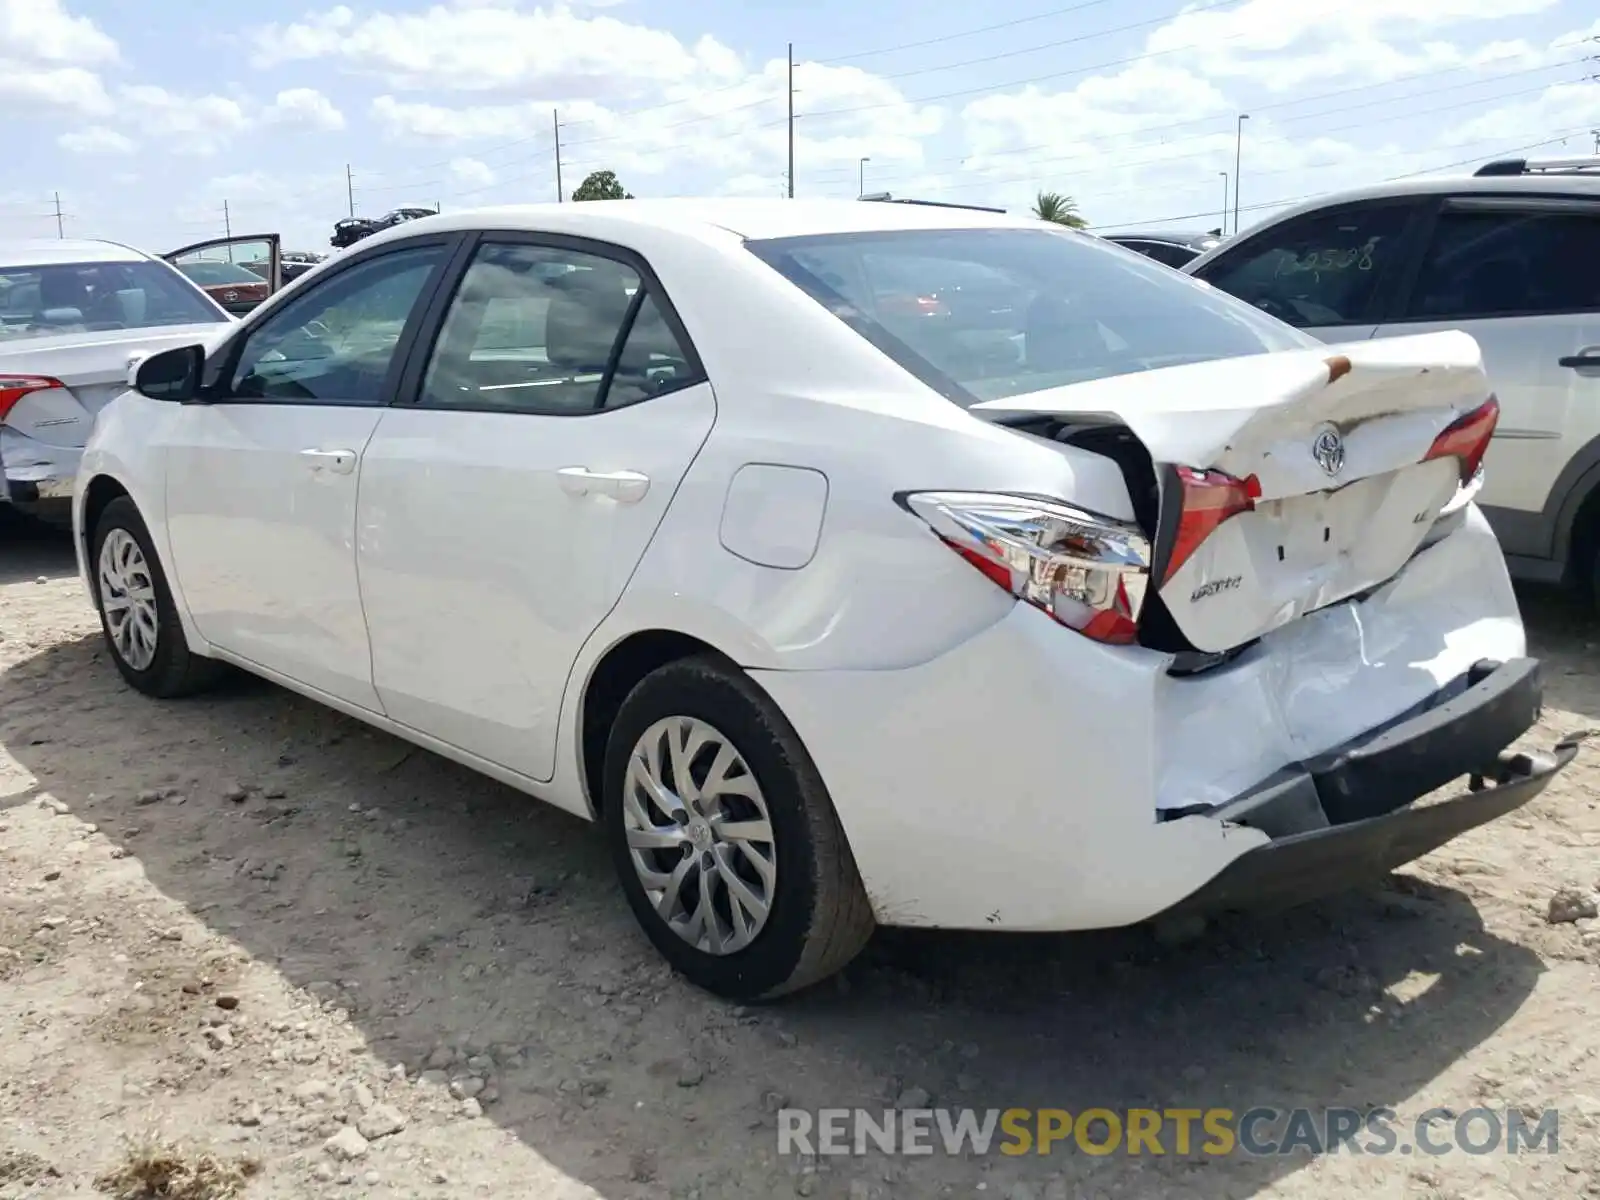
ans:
(148, 119)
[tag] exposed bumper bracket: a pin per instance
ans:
(1349, 815)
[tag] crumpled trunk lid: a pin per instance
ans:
(1332, 445)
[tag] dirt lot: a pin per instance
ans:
(252, 924)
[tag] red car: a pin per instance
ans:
(238, 290)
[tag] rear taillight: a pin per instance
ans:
(15, 387)
(1206, 499)
(1467, 438)
(1087, 571)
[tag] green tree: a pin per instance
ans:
(601, 185)
(1058, 209)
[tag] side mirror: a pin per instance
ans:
(172, 375)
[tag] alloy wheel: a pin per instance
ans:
(699, 835)
(128, 599)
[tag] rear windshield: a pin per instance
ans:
(215, 274)
(986, 314)
(73, 297)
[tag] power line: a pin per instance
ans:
(1071, 41)
(965, 33)
(1278, 104)
(985, 89)
(1169, 158)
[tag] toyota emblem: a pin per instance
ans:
(1328, 449)
(230, 296)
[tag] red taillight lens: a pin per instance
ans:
(15, 387)
(1086, 571)
(1467, 438)
(1208, 498)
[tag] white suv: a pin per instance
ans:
(1511, 255)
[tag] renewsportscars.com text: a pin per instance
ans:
(1214, 1132)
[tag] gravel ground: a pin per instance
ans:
(253, 926)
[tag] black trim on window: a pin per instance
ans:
(409, 393)
(617, 347)
(220, 367)
(1475, 202)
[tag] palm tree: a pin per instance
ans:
(1058, 209)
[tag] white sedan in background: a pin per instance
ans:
(75, 315)
(1115, 600)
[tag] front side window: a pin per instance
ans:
(985, 314)
(543, 329)
(55, 298)
(334, 343)
(1508, 263)
(1322, 269)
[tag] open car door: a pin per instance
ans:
(237, 272)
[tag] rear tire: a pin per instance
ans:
(742, 812)
(137, 615)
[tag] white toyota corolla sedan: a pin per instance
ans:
(849, 563)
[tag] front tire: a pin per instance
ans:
(137, 614)
(723, 836)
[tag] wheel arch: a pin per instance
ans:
(616, 672)
(1577, 532)
(100, 491)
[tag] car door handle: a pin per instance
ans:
(1589, 356)
(340, 462)
(628, 487)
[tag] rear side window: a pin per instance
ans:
(985, 314)
(1508, 263)
(1321, 269)
(554, 331)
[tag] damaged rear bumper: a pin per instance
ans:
(1351, 815)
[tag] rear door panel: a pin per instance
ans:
(503, 512)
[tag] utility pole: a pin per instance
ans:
(61, 229)
(1238, 151)
(1224, 175)
(227, 221)
(791, 120)
(1596, 133)
(555, 124)
(350, 188)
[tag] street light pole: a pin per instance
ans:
(1238, 151)
(791, 120)
(1224, 175)
(861, 177)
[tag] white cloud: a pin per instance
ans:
(453, 99)
(42, 31)
(303, 108)
(1341, 92)
(96, 139)
(182, 124)
(1281, 44)
(46, 56)
(736, 130)
(27, 86)
(485, 46)
(470, 173)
